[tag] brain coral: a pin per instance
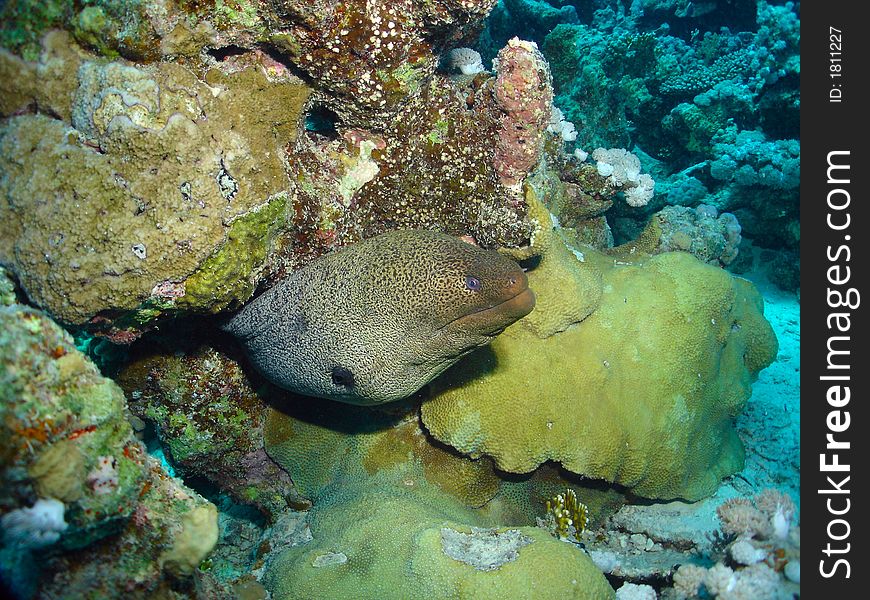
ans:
(642, 392)
(373, 544)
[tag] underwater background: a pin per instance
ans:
(634, 163)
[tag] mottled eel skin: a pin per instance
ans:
(377, 320)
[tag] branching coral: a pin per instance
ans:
(622, 169)
(748, 158)
(566, 515)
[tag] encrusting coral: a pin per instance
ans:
(187, 196)
(525, 94)
(162, 160)
(156, 178)
(710, 237)
(370, 57)
(210, 420)
(329, 447)
(421, 544)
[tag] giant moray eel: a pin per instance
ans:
(377, 320)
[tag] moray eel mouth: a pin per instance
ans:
(492, 320)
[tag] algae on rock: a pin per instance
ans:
(157, 176)
(64, 435)
(209, 418)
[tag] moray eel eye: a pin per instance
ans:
(472, 283)
(342, 377)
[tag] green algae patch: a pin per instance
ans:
(111, 28)
(225, 278)
(229, 14)
(209, 419)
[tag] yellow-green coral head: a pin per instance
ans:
(377, 320)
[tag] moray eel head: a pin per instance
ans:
(376, 321)
(480, 294)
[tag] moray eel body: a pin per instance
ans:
(377, 320)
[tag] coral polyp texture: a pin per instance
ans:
(423, 545)
(171, 172)
(327, 448)
(642, 392)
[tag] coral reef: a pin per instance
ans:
(163, 162)
(421, 544)
(369, 58)
(523, 92)
(756, 564)
(701, 231)
(715, 107)
(165, 192)
(210, 420)
(363, 184)
(194, 195)
(77, 486)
